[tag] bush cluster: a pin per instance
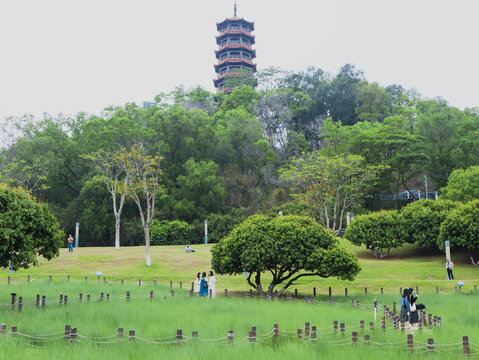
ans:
(426, 222)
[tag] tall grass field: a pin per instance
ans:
(156, 321)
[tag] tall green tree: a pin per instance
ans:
(27, 229)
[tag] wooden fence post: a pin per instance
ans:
(73, 334)
(195, 334)
(366, 339)
(60, 302)
(14, 301)
(44, 301)
(306, 329)
(354, 338)
(226, 292)
(172, 292)
(127, 296)
(430, 344)
(345, 291)
(107, 297)
(295, 292)
(276, 333)
(139, 282)
(101, 296)
(371, 325)
(88, 297)
(179, 336)
(314, 292)
(8, 280)
(300, 333)
(3, 329)
(417, 289)
(181, 284)
(230, 337)
(120, 334)
(437, 290)
(382, 291)
(313, 332)
(343, 328)
(330, 291)
(410, 344)
(37, 301)
(131, 335)
(50, 278)
(251, 337)
(151, 294)
(67, 332)
(14, 330)
(65, 300)
(394, 308)
(335, 326)
(28, 278)
(361, 325)
(357, 303)
(68, 277)
(365, 291)
(383, 323)
(465, 345)
(171, 284)
(20, 304)
(400, 290)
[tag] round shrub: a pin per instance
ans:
(461, 227)
(174, 232)
(379, 232)
(422, 220)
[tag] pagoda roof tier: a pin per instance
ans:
(230, 47)
(228, 33)
(220, 79)
(235, 61)
(228, 90)
(234, 20)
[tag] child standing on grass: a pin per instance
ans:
(404, 303)
(197, 284)
(70, 243)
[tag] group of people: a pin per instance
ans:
(409, 308)
(204, 285)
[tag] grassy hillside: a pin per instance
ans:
(408, 266)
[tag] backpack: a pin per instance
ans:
(205, 285)
(420, 306)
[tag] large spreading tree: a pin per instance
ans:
(27, 229)
(287, 247)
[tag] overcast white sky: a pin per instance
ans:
(83, 55)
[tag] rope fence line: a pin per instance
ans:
(456, 288)
(71, 335)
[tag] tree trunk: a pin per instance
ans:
(117, 232)
(147, 245)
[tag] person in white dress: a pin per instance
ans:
(212, 284)
(197, 284)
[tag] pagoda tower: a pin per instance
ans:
(235, 51)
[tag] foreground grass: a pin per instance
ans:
(407, 266)
(212, 318)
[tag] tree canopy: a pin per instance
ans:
(287, 247)
(27, 229)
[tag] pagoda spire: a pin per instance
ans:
(235, 8)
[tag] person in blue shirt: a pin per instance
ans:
(405, 306)
(204, 285)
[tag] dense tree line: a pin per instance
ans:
(221, 153)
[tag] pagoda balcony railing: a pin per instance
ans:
(236, 60)
(235, 46)
(235, 57)
(233, 32)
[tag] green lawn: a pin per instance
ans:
(408, 266)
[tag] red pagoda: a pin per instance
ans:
(235, 51)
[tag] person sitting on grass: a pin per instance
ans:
(187, 249)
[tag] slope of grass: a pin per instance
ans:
(408, 266)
